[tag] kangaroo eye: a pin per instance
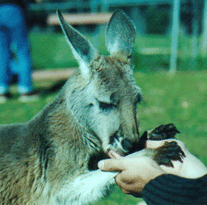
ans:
(106, 106)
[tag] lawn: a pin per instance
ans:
(151, 53)
(180, 99)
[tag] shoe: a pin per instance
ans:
(4, 97)
(30, 97)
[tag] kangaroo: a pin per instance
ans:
(50, 159)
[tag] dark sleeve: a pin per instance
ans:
(170, 189)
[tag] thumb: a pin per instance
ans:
(153, 144)
(112, 165)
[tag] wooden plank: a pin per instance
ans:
(52, 74)
(80, 19)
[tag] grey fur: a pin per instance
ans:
(46, 160)
(120, 35)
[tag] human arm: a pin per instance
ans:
(170, 189)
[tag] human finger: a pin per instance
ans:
(125, 177)
(153, 144)
(114, 155)
(133, 193)
(112, 165)
(125, 191)
(122, 182)
(129, 184)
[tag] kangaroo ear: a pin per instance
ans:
(82, 49)
(120, 34)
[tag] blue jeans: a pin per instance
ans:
(13, 34)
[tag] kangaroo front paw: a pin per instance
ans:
(169, 151)
(159, 133)
(163, 132)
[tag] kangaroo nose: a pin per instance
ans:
(126, 145)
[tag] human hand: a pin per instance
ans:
(136, 170)
(191, 167)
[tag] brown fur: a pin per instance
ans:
(46, 160)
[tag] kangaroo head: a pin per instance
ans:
(102, 95)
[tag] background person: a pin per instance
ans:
(13, 33)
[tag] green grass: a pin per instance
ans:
(180, 99)
(151, 53)
(51, 51)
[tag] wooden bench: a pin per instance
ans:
(81, 19)
(52, 74)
